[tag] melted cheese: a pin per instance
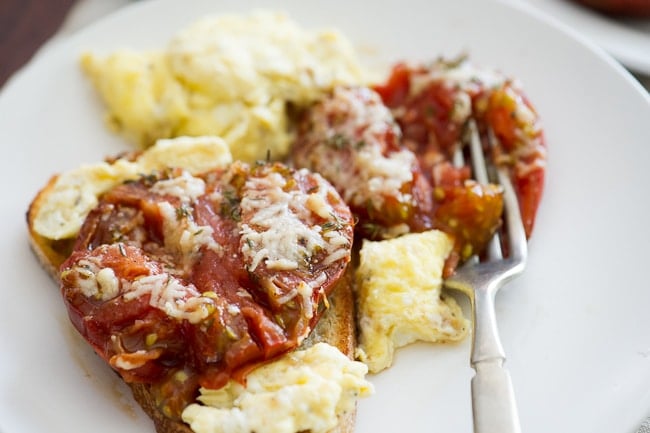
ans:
(186, 187)
(75, 193)
(183, 237)
(399, 294)
(368, 177)
(279, 232)
(131, 361)
(95, 281)
(108, 284)
(228, 75)
(277, 227)
(168, 294)
(463, 77)
(306, 390)
(378, 176)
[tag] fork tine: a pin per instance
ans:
(518, 246)
(517, 243)
(479, 168)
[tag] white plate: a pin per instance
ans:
(627, 39)
(575, 326)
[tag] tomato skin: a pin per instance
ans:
(115, 326)
(425, 117)
(529, 189)
(396, 89)
(521, 144)
(471, 213)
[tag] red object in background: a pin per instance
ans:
(24, 26)
(631, 8)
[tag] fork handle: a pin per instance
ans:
(493, 399)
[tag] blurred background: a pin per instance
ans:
(26, 25)
(621, 27)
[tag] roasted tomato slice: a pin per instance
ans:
(432, 104)
(520, 146)
(351, 138)
(197, 278)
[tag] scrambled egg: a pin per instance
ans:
(75, 193)
(306, 390)
(232, 76)
(399, 295)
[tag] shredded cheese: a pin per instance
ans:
(168, 294)
(186, 187)
(183, 236)
(368, 176)
(278, 232)
(95, 281)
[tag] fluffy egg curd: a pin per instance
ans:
(305, 390)
(76, 192)
(399, 297)
(233, 76)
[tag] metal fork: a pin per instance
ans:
(493, 400)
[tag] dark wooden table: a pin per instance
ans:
(24, 26)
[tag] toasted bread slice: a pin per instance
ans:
(336, 326)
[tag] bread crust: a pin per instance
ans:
(50, 253)
(336, 326)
